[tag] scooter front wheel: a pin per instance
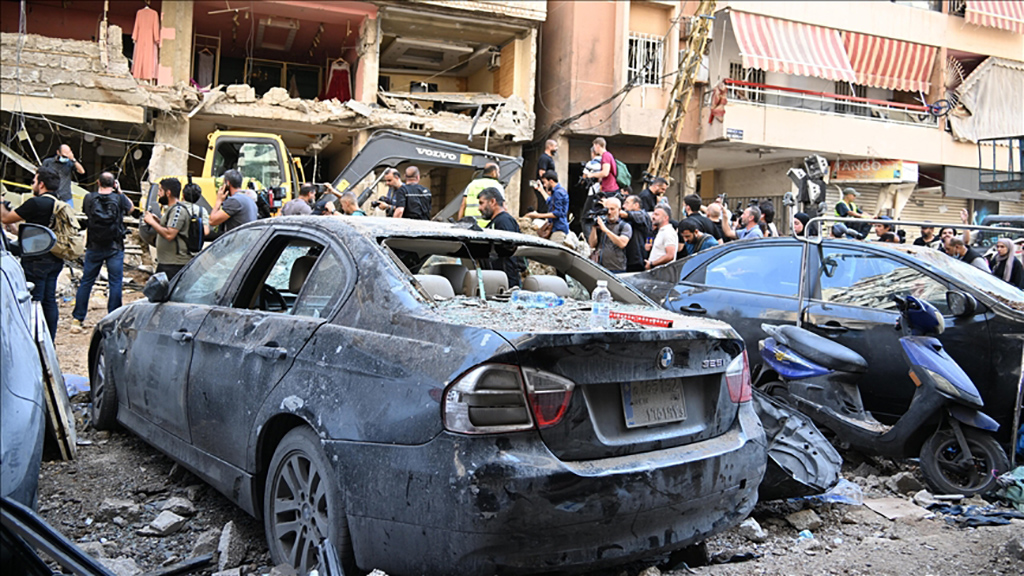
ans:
(947, 469)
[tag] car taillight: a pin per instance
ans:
(496, 398)
(549, 396)
(737, 378)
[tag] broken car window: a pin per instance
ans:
(202, 281)
(276, 278)
(322, 287)
(858, 278)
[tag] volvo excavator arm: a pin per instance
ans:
(388, 148)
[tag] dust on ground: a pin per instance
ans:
(118, 485)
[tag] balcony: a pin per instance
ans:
(768, 96)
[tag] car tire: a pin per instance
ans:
(103, 409)
(303, 503)
(940, 452)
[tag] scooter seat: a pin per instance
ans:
(822, 351)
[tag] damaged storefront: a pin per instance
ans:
(138, 88)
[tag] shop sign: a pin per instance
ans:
(869, 170)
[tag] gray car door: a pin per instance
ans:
(162, 335)
(243, 350)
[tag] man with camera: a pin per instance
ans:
(610, 235)
(104, 245)
(557, 206)
(65, 165)
(640, 221)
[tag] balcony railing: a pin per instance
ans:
(824, 103)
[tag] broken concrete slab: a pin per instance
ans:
(113, 507)
(207, 543)
(804, 520)
(894, 508)
(924, 499)
(94, 549)
(242, 93)
(275, 95)
(904, 483)
(121, 566)
(231, 547)
(166, 523)
(179, 506)
(231, 572)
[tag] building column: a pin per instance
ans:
(368, 70)
(176, 43)
(170, 148)
(524, 84)
(515, 185)
(690, 171)
(562, 159)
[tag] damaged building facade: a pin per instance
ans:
(321, 75)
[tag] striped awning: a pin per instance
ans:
(1004, 14)
(891, 64)
(775, 45)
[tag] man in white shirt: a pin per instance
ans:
(666, 242)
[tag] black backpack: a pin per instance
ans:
(194, 233)
(106, 223)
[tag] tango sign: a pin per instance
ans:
(873, 171)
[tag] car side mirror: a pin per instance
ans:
(35, 240)
(157, 288)
(961, 303)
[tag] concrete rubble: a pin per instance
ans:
(114, 507)
(121, 566)
(179, 506)
(207, 543)
(165, 523)
(230, 548)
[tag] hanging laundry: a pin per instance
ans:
(339, 82)
(205, 73)
(146, 36)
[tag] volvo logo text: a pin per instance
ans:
(665, 358)
(437, 154)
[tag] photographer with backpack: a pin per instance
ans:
(104, 246)
(172, 229)
(46, 210)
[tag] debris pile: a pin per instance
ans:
(569, 317)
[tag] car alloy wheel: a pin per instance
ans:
(103, 410)
(302, 504)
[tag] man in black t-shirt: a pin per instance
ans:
(65, 165)
(42, 270)
(492, 207)
(640, 220)
(104, 246)
(412, 200)
(649, 196)
(547, 158)
(691, 204)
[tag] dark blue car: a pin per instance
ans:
(841, 289)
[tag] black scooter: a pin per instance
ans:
(944, 424)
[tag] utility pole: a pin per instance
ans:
(664, 154)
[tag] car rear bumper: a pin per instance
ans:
(504, 504)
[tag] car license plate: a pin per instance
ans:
(653, 402)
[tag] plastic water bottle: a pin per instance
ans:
(530, 299)
(602, 303)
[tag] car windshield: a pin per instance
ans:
(972, 276)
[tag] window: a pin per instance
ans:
(203, 281)
(752, 75)
(646, 59)
(322, 287)
(259, 161)
(856, 278)
(858, 90)
(768, 269)
(279, 276)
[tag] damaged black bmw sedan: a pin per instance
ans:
(368, 381)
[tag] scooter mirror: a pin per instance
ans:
(961, 303)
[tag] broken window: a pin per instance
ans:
(260, 161)
(278, 280)
(856, 278)
(204, 279)
(646, 59)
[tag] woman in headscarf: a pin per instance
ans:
(1005, 265)
(800, 223)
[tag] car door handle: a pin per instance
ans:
(694, 309)
(272, 352)
(182, 336)
(832, 326)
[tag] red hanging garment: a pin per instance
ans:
(146, 36)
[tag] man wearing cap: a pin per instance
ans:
(846, 208)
